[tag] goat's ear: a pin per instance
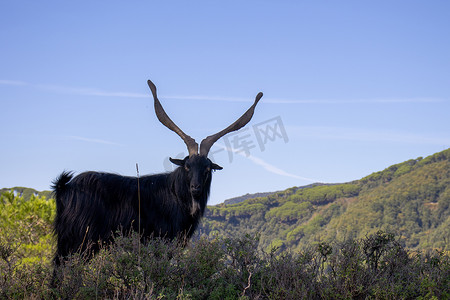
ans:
(216, 166)
(178, 162)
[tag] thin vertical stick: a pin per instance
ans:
(82, 243)
(139, 211)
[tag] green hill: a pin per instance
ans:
(410, 199)
(26, 193)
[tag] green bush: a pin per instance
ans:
(28, 224)
(376, 266)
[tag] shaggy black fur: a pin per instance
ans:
(92, 206)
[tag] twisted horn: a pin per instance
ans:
(166, 121)
(207, 143)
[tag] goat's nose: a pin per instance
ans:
(195, 187)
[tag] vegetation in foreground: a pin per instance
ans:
(375, 267)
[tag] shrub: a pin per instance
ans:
(376, 266)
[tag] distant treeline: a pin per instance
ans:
(411, 199)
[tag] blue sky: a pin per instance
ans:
(356, 86)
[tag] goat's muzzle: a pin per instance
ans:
(196, 190)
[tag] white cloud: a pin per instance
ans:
(89, 91)
(102, 93)
(271, 168)
(90, 140)
(311, 101)
(12, 82)
(354, 101)
(365, 135)
(276, 170)
(211, 98)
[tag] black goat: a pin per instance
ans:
(92, 205)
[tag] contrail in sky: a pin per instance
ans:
(90, 140)
(277, 170)
(266, 165)
(102, 93)
(366, 135)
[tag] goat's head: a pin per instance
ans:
(197, 165)
(198, 170)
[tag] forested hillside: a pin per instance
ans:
(340, 251)
(411, 199)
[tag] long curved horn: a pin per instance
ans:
(166, 121)
(207, 143)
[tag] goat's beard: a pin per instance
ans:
(195, 207)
